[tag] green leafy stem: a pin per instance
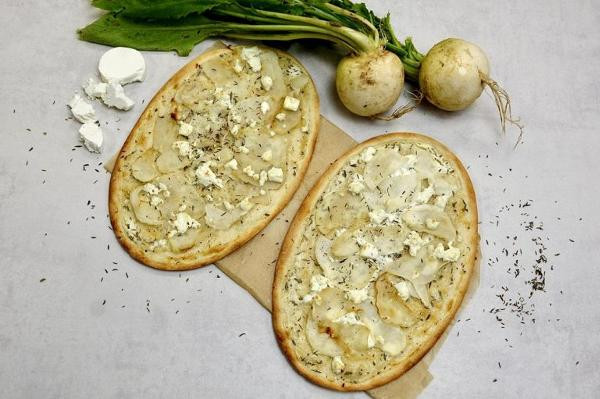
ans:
(165, 25)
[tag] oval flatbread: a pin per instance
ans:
(376, 262)
(218, 152)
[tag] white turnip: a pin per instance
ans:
(370, 83)
(453, 75)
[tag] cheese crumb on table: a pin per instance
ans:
(115, 97)
(91, 136)
(82, 110)
(93, 88)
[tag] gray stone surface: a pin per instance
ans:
(79, 318)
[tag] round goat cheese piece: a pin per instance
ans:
(122, 65)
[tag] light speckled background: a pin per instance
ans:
(170, 335)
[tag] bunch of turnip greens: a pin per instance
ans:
(369, 79)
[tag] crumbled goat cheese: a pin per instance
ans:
(82, 110)
(317, 284)
(151, 189)
(358, 296)
(250, 172)
(424, 196)
(267, 155)
(156, 201)
(337, 365)
(91, 136)
(246, 205)
(93, 88)
(291, 103)
(449, 255)
(158, 244)
(233, 164)
(238, 67)
(349, 318)
(403, 288)
(356, 186)
(275, 175)
(115, 97)
(368, 154)
(252, 56)
(183, 147)
(185, 129)
(207, 177)
(266, 82)
(370, 341)
(378, 216)
(369, 250)
(264, 107)
(414, 242)
(431, 224)
(183, 222)
(442, 200)
(262, 178)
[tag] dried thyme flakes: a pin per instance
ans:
(526, 256)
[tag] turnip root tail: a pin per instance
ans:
(417, 97)
(504, 108)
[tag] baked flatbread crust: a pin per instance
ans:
(196, 243)
(294, 305)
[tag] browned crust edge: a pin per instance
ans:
(219, 252)
(296, 228)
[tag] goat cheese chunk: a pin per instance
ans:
(275, 175)
(82, 110)
(207, 177)
(252, 56)
(115, 97)
(94, 89)
(291, 103)
(91, 136)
